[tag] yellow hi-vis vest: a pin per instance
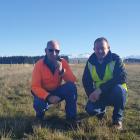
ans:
(107, 76)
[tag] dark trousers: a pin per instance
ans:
(67, 92)
(116, 98)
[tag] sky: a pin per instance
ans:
(27, 25)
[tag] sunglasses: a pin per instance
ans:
(52, 50)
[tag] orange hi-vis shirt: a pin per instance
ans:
(43, 80)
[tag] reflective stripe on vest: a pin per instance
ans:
(107, 76)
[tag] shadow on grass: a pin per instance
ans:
(136, 130)
(21, 125)
(16, 126)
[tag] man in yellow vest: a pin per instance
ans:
(104, 81)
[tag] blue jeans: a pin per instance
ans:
(116, 98)
(67, 92)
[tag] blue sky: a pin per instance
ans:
(27, 25)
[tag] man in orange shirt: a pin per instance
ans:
(46, 85)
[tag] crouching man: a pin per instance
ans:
(47, 87)
(104, 81)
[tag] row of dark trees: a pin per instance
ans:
(131, 60)
(33, 59)
(23, 59)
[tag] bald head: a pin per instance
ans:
(52, 50)
(53, 44)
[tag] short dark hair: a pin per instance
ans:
(100, 39)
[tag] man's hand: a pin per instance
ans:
(53, 99)
(95, 95)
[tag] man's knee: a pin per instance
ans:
(71, 86)
(119, 95)
(119, 91)
(72, 90)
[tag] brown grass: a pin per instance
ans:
(17, 114)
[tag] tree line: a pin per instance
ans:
(23, 59)
(34, 59)
(131, 60)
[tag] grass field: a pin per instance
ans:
(17, 114)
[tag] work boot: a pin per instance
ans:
(118, 125)
(39, 122)
(73, 122)
(100, 116)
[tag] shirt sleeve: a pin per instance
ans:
(36, 82)
(87, 81)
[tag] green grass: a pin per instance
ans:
(17, 114)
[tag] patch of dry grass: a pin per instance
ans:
(17, 114)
